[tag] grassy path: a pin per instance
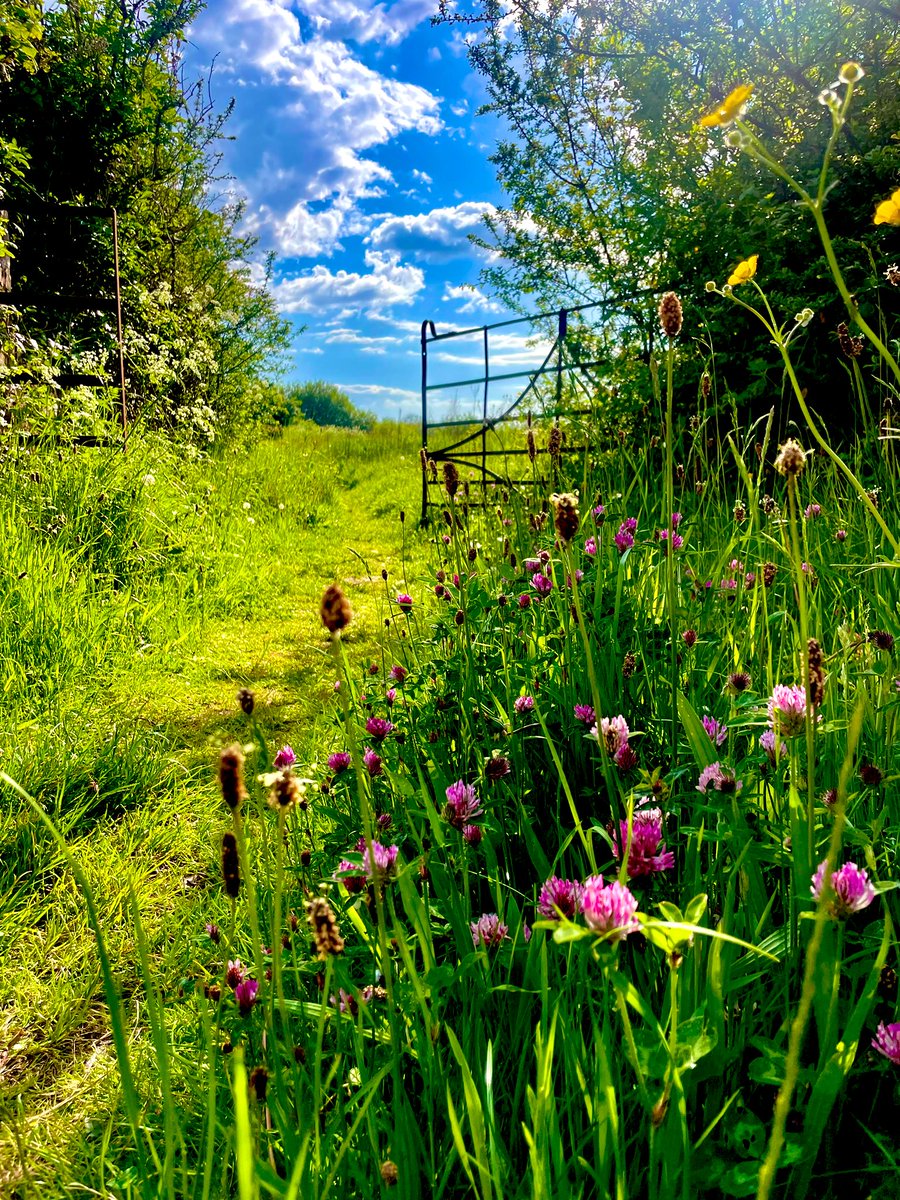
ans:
(58, 1078)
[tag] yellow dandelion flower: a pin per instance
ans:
(744, 270)
(731, 107)
(888, 211)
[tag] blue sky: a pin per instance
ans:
(364, 167)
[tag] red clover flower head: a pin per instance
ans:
(887, 1041)
(590, 546)
(488, 930)
(560, 897)
(841, 535)
(531, 565)
(378, 728)
(624, 538)
(462, 804)
(767, 743)
(585, 714)
(647, 854)
(372, 762)
(719, 779)
(613, 733)
(852, 889)
(625, 758)
(787, 709)
(496, 766)
(609, 909)
(397, 674)
(284, 758)
(339, 761)
(234, 972)
(405, 602)
(472, 835)
(716, 730)
(523, 704)
(385, 859)
(689, 637)
(214, 933)
(524, 600)
(541, 584)
(352, 882)
(245, 995)
(812, 511)
(390, 696)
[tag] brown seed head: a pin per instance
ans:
(335, 610)
(671, 317)
(286, 792)
(531, 445)
(629, 663)
(231, 776)
(769, 570)
(389, 1174)
(790, 459)
(705, 385)
(554, 443)
(246, 700)
(325, 929)
(231, 875)
(423, 459)
(816, 674)
(566, 516)
(852, 347)
(259, 1079)
(451, 479)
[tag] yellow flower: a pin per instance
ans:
(744, 270)
(888, 211)
(731, 107)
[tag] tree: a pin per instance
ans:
(615, 191)
(323, 404)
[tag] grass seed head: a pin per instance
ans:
(325, 929)
(335, 611)
(671, 318)
(791, 459)
(231, 776)
(566, 516)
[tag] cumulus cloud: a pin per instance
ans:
(469, 299)
(387, 282)
(439, 234)
(363, 342)
(314, 95)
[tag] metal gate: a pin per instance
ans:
(561, 361)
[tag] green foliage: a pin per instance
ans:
(107, 121)
(614, 191)
(323, 404)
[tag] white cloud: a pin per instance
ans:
(460, 109)
(517, 351)
(439, 234)
(363, 342)
(315, 99)
(469, 299)
(422, 176)
(379, 389)
(387, 282)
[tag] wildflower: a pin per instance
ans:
(385, 860)
(231, 875)
(472, 835)
(677, 540)
(325, 929)
(585, 714)
(769, 570)
(689, 637)
(405, 602)
(390, 696)
(523, 704)
(378, 728)
(870, 775)
(717, 732)
(613, 732)
(384, 821)
(609, 909)
(647, 853)
(245, 995)
(286, 792)
(850, 72)
(888, 211)
(560, 897)
(462, 804)
(246, 700)
(719, 779)
(496, 766)
(231, 776)
(346, 1002)
(749, 579)
(339, 761)
(566, 516)
(882, 640)
(744, 270)
(372, 762)
(488, 930)
(851, 347)
(812, 511)
(670, 315)
(352, 882)
(624, 538)
(524, 600)
(829, 797)
(852, 889)
(213, 933)
(840, 535)
(791, 458)
(892, 274)
(397, 674)
(284, 758)
(767, 743)
(541, 584)
(599, 511)
(732, 107)
(335, 610)
(625, 758)
(887, 1041)
(787, 709)
(590, 546)
(234, 973)
(737, 682)
(531, 565)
